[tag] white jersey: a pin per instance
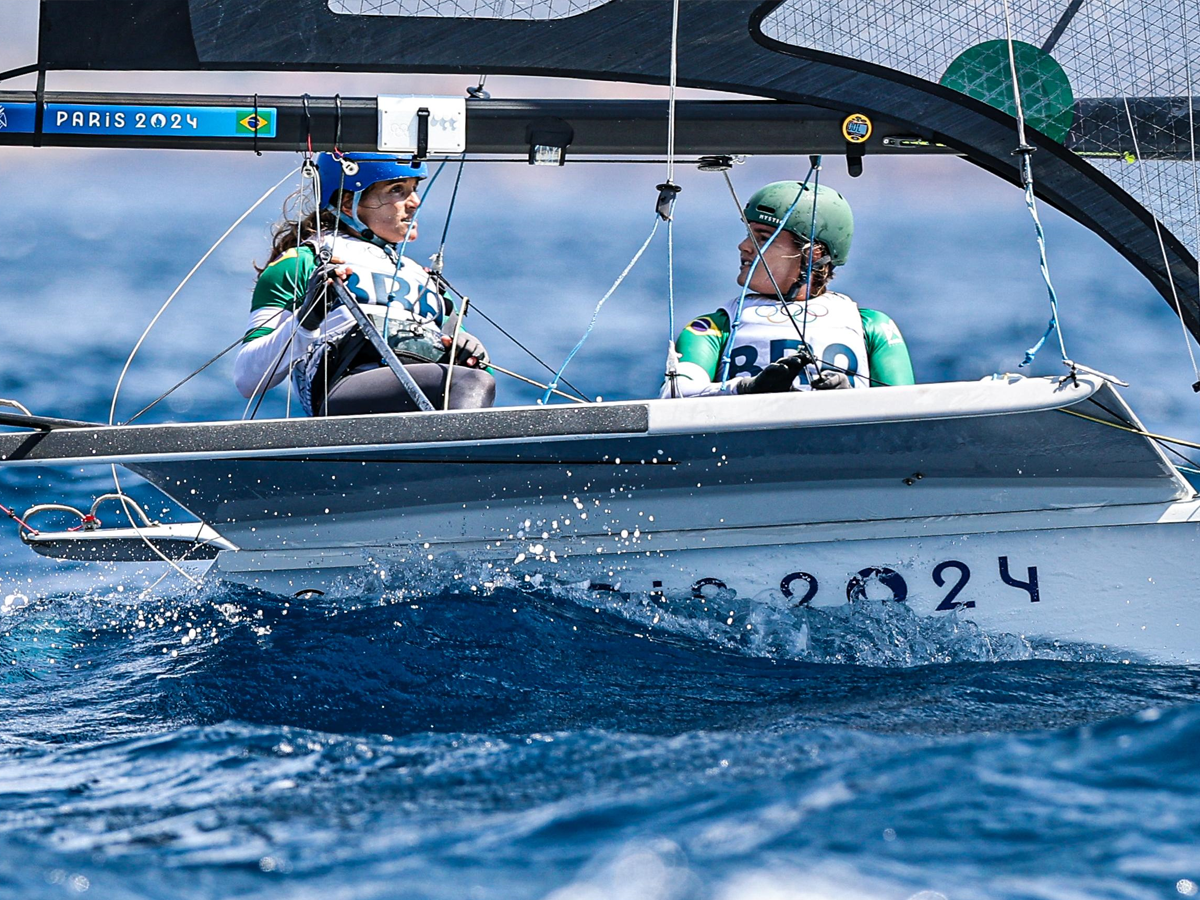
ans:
(832, 327)
(398, 295)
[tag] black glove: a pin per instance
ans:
(775, 378)
(830, 380)
(317, 297)
(468, 345)
(470, 351)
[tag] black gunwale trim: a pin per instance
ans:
(111, 443)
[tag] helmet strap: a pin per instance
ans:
(353, 221)
(817, 262)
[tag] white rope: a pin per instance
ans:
(671, 91)
(1144, 179)
(145, 540)
(550, 388)
(112, 410)
(158, 315)
(1012, 65)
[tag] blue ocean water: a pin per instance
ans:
(216, 742)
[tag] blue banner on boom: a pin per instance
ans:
(17, 117)
(174, 121)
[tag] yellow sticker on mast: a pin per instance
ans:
(856, 128)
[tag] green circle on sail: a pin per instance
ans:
(983, 72)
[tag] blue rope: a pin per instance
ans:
(550, 388)
(737, 317)
(808, 261)
(400, 254)
(670, 280)
(1044, 265)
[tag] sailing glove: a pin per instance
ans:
(774, 379)
(317, 299)
(471, 351)
(831, 381)
(469, 346)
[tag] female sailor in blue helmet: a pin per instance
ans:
(367, 206)
(752, 345)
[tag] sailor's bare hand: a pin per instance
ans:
(338, 270)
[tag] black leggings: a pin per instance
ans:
(380, 391)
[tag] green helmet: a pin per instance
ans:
(835, 222)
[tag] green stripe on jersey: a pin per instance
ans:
(281, 285)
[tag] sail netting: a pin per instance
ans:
(1112, 80)
(540, 10)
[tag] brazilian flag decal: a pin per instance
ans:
(260, 122)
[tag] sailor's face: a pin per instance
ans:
(783, 260)
(388, 207)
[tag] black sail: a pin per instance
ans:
(1123, 164)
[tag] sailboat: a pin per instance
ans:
(1036, 506)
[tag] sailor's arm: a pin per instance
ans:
(699, 347)
(265, 357)
(886, 351)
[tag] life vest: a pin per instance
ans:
(832, 328)
(401, 300)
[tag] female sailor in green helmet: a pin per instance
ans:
(752, 344)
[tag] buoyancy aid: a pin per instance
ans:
(832, 328)
(400, 298)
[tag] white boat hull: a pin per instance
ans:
(952, 494)
(1120, 586)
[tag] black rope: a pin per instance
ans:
(39, 113)
(257, 122)
(163, 396)
(337, 125)
(533, 356)
(275, 368)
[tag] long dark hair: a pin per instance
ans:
(300, 222)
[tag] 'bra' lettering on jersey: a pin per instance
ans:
(376, 280)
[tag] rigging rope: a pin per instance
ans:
(264, 383)
(541, 362)
(112, 411)
(596, 312)
(439, 259)
(664, 210)
(1162, 438)
(137, 346)
(1137, 155)
(737, 317)
(810, 252)
(670, 188)
(1025, 150)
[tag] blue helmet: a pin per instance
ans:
(354, 173)
(368, 168)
